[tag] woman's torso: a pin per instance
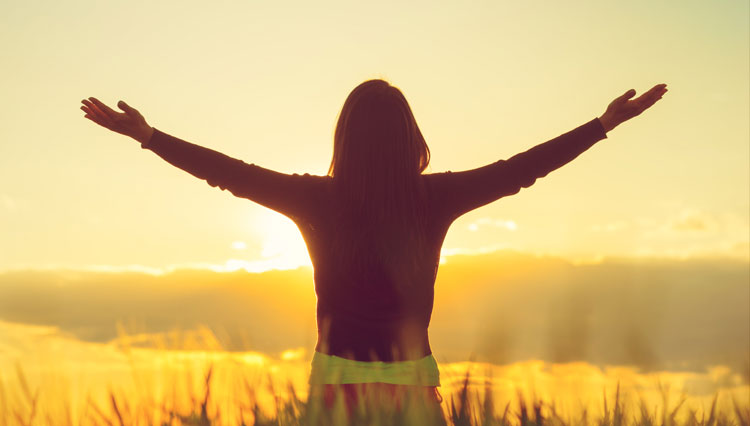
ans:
(371, 312)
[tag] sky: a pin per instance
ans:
(637, 253)
(265, 81)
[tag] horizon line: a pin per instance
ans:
(260, 266)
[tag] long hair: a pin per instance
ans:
(379, 154)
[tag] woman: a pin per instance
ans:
(374, 227)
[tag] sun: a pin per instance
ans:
(282, 245)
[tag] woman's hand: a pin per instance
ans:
(623, 109)
(129, 123)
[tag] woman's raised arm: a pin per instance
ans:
(291, 195)
(461, 192)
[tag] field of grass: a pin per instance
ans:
(220, 394)
(49, 378)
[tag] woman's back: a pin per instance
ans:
(370, 307)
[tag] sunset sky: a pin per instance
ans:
(264, 82)
(631, 261)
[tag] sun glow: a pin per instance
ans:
(239, 245)
(282, 244)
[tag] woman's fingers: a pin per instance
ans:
(654, 94)
(658, 91)
(98, 114)
(647, 100)
(90, 111)
(92, 108)
(92, 119)
(93, 116)
(96, 118)
(655, 91)
(104, 108)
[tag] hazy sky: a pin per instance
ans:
(501, 307)
(264, 82)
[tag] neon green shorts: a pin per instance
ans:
(330, 369)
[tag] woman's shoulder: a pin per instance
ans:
(434, 182)
(319, 187)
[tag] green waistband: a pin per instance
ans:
(330, 369)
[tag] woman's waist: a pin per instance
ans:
(355, 321)
(368, 343)
(333, 369)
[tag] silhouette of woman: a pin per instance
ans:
(374, 226)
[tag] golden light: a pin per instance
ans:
(293, 354)
(283, 246)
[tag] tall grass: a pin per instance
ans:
(468, 406)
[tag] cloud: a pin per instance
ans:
(693, 233)
(501, 307)
(509, 225)
(244, 310)
(692, 220)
